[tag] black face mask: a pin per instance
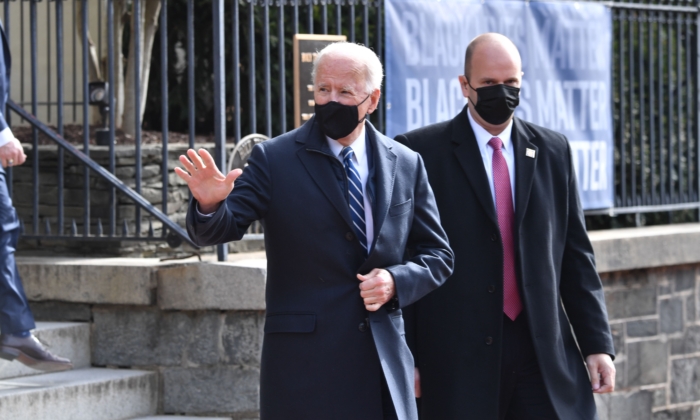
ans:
(495, 104)
(338, 120)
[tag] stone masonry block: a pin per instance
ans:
(60, 311)
(625, 406)
(210, 390)
(690, 311)
(646, 362)
(671, 317)
(94, 280)
(221, 286)
(631, 302)
(643, 328)
(205, 345)
(685, 277)
(133, 336)
(618, 334)
(677, 414)
(684, 380)
(621, 373)
(696, 412)
(242, 337)
(690, 343)
(660, 397)
(653, 246)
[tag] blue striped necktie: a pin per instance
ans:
(357, 202)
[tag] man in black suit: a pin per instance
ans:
(352, 234)
(16, 319)
(496, 342)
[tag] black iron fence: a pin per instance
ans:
(223, 69)
(655, 107)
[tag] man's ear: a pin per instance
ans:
(464, 85)
(374, 98)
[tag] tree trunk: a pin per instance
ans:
(118, 88)
(94, 67)
(150, 11)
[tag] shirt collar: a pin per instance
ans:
(359, 146)
(483, 137)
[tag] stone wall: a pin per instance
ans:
(205, 349)
(200, 325)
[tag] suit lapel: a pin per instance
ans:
(524, 168)
(469, 157)
(385, 162)
(315, 158)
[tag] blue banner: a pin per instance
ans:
(566, 53)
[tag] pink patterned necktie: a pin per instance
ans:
(512, 305)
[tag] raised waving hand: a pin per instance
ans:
(208, 184)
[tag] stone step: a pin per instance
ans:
(66, 339)
(83, 394)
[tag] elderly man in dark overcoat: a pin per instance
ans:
(352, 234)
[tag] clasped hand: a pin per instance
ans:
(376, 288)
(209, 186)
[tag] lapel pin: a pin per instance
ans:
(530, 153)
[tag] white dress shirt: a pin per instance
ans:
(6, 136)
(482, 138)
(359, 148)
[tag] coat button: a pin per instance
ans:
(362, 327)
(492, 288)
(493, 237)
(349, 236)
(489, 340)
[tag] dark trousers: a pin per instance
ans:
(15, 315)
(523, 395)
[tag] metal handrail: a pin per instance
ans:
(102, 173)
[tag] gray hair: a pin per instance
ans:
(374, 72)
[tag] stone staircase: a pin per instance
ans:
(84, 393)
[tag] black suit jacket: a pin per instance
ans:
(453, 328)
(318, 360)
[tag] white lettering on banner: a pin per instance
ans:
(414, 115)
(557, 101)
(420, 104)
(565, 46)
(591, 164)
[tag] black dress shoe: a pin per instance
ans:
(30, 352)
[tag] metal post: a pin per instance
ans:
(632, 199)
(642, 199)
(137, 106)
(35, 134)
(652, 112)
(111, 59)
(296, 16)
(59, 110)
(266, 65)
(251, 67)
(352, 20)
(380, 53)
(338, 21)
(697, 113)
(623, 178)
(283, 95)
(237, 72)
(219, 99)
(48, 59)
(86, 120)
(662, 172)
(190, 71)
(164, 106)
